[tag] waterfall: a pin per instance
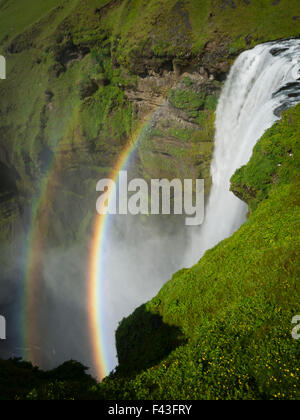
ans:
(263, 82)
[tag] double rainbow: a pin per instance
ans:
(41, 218)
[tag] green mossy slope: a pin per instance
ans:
(18, 379)
(182, 28)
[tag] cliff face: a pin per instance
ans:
(179, 139)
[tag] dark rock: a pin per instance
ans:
(9, 178)
(69, 52)
(45, 158)
(49, 95)
(248, 39)
(19, 44)
(57, 69)
(227, 3)
(211, 46)
(181, 66)
(87, 89)
(277, 51)
(143, 66)
(180, 10)
(294, 95)
(278, 111)
(294, 87)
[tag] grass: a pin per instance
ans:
(272, 163)
(178, 29)
(18, 15)
(187, 100)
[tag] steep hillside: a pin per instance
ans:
(235, 306)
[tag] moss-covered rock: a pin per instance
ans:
(179, 140)
(274, 162)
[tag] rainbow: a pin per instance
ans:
(40, 222)
(95, 293)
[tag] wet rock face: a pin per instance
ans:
(68, 53)
(153, 56)
(8, 178)
(178, 142)
(278, 51)
(149, 92)
(87, 89)
(216, 58)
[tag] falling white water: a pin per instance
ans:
(262, 82)
(138, 257)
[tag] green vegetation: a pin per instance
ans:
(187, 100)
(273, 164)
(20, 380)
(17, 16)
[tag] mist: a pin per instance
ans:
(139, 256)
